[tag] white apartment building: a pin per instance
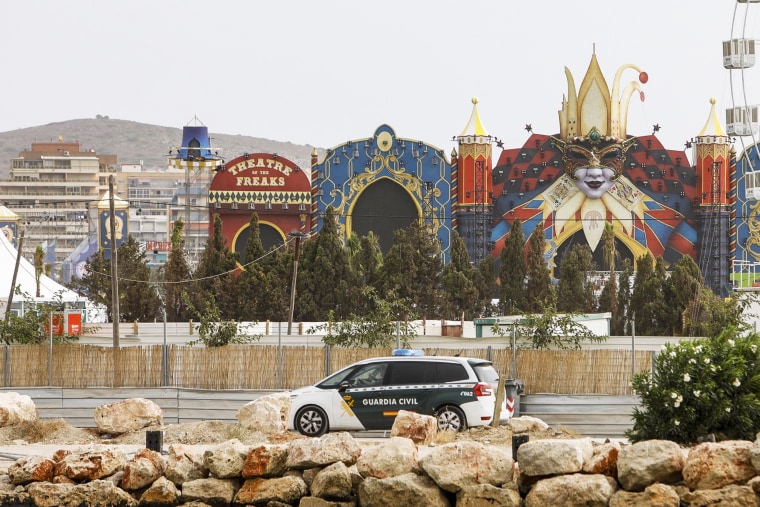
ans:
(54, 188)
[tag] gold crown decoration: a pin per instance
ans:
(593, 120)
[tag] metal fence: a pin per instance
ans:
(604, 371)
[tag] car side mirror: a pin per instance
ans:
(343, 386)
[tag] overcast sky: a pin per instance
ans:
(323, 72)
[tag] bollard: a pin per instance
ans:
(517, 441)
(154, 440)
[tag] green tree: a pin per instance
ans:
(460, 294)
(549, 330)
(539, 290)
(620, 324)
(213, 329)
(176, 275)
(252, 283)
(39, 266)
(412, 269)
(488, 288)
(648, 299)
(608, 299)
(379, 326)
(215, 273)
(512, 272)
(709, 314)
(324, 259)
(574, 290)
(682, 287)
(34, 326)
(138, 299)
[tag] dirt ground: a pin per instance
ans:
(57, 431)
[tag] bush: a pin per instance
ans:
(700, 387)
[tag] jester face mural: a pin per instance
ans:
(592, 174)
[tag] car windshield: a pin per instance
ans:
(360, 375)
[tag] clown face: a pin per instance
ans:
(594, 181)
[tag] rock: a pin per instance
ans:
(332, 482)
(313, 501)
(46, 494)
(572, 489)
(733, 495)
(31, 469)
(260, 491)
(715, 465)
(649, 462)
(16, 408)
(459, 464)
(268, 414)
(266, 460)
(127, 415)
(323, 451)
(225, 461)
(397, 456)
(184, 464)
(404, 490)
(526, 423)
(656, 495)
(553, 457)
(209, 491)
(604, 460)
(143, 469)
(486, 495)
(91, 465)
(161, 492)
(420, 428)
(99, 494)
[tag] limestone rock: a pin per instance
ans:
(332, 482)
(127, 415)
(486, 495)
(572, 489)
(323, 451)
(184, 464)
(656, 495)
(268, 414)
(225, 461)
(420, 428)
(526, 423)
(16, 408)
(604, 460)
(91, 465)
(161, 492)
(713, 465)
(266, 460)
(553, 457)
(733, 495)
(260, 491)
(396, 456)
(31, 469)
(210, 491)
(648, 462)
(405, 490)
(142, 470)
(459, 464)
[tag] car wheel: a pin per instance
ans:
(450, 418)
(311, 421)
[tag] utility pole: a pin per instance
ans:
(297, 235)
(114, 268)
(15, 273)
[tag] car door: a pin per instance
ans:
(410, 385)
(362, 395)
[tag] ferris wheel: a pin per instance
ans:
(742, 115)
(742, 119)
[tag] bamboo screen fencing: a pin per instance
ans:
(269, 367)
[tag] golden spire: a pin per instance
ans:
(712, 125)
(474, 126)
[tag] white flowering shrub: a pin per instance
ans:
(700, 387)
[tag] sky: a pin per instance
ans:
(325, 72)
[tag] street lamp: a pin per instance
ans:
(298, 235)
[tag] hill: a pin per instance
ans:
(135, 142)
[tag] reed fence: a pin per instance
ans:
(574, 372)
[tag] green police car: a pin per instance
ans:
(460, 392)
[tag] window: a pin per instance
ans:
(451, 372)
(370, 375)
(406, 373)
